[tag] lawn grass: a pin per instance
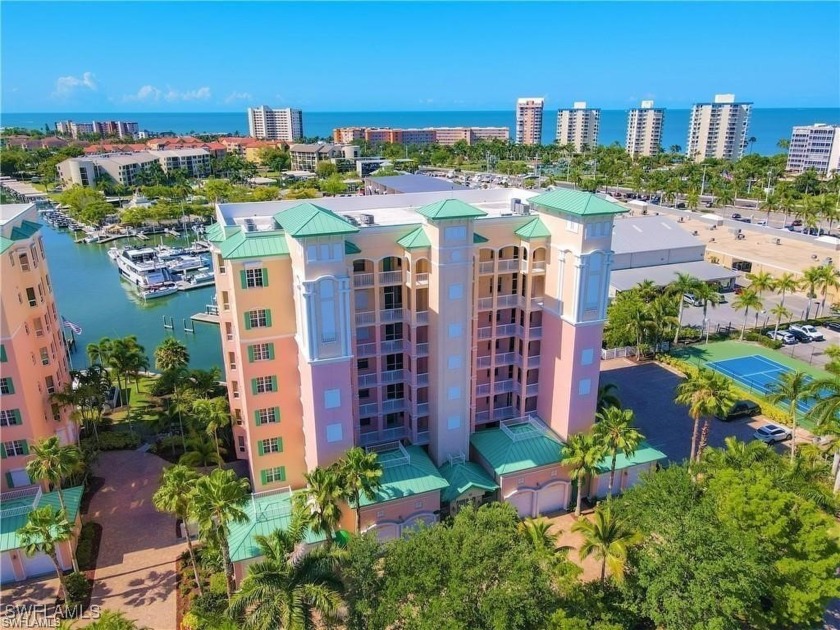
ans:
(141, 403)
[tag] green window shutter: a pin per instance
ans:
(280, 445)
(26, 448)
(9, 480)
(248, 320)
(16, 413)
(265, 276)
(271, 351)
(257, 417)
(260, 448)
(2, 451)
(253, 386)
(244, 279)
(282, 473)
(3, 353)
(10, 385)
(268, 317)
(274, 383)
(263, 477)
(250, 354)
(277, 414)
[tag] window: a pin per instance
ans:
(6, 386)
(271, 445)
(225, 301)
(254, 278)
(364, 393)
(261, 352)
(392, 297)
(335, 433)
(587, 356)
(393, 332)
(24, 262)
(572, 226)
(240, 441)
(235, 388)
(584, 386)
(329, 327)
(47, 279)
(30, 296)
(272, 475)
(50, 383)
(270, 415)
(364, 422)
(15, 448)
(394, 391)
(45, 356)
(260, 318)
(39, 328)
(9, 417)
(263, 384)
(455, 233)
(454, 393)
(358, 266)
(229, 331)
(393, 362)
(362, 364)
(332, 398)
(3, 357)
(232, 360)
(34, 255)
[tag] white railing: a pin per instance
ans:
(482, 416)
(366, 350)
(523, 428)
(503, 412)
(537, 303)
(421, 318)
(503, 301)
(485, 303)
(398, 456)
(422, 438)
(482, 390)
(368, 409)
(363, 280)
(390, 277)
(395, 404)
(422, 350)
(484, 362)
(508, 265)
(505, 358)
(392, 376)
(534, 361)
(368, 317)
(534, 333)
(421, 380)
(486, 267)
(532, 390)
(506, 330)
(538, 265)
(391, 314)
(502, 387)
(368, 380)
(421, 279)
(485, 332)
(394, 345)
(371, 437)
(421, 409)
(25, 500)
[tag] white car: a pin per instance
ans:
(785, 337)
(806, 329)
(771, 433)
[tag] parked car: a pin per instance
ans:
(720, 298)
(771, 433)
(689, 298)
(835, 326)
(800, 336)
(783, 336)
(741, 409)
(680, 205)
(796, 223)
(655, 199)
(813, 333)
(736, 215)
(709, 204)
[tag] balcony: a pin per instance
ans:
(421, 380)
(483, 389)
(508, 265)
(537, 303)
(421, 350)
(503, 387)
(507, 301)
(485, 332)
(366, 350)
(392, 376)
(391, 315)
(390, 347)
(365, 318)
(506, 330)
(392, 405)
(537, 266)
(484, 361)
(482, 416)
(379, 437)
(532, 390)
(503, 413)
(533, 333)
(420, 410)
(368, 380)
(368, 409)
(421, 318)
(485, 303)
(363, 280)
(390, 277)
(486, 267)
(421, 279)
(422, 438)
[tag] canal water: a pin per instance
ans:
(90, 293)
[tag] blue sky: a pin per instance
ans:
(192, 56)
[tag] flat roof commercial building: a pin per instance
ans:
(578, 126)
(718, 129)
(400, 184)
(266, 123)
(814, 146)
(529, 120)
(412, 324)
(644, 129)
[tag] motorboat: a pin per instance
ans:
(203, 277)
(141, 267)
(181, 264)
(158, 291)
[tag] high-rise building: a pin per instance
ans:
(578, 126)
(102, 127)
(266, 123)
(529, 120)
(814, 146)
(644, 129)
(454, 333)
(33, 365)
(718, 129)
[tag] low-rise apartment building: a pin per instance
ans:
(33, 365)
(123, 168)
(306, 157)
(457, 334)
(419, 136)
(814, 147)
(101, 127)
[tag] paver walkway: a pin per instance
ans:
(135, 572)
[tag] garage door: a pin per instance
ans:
(39, 564)
(7, 573)
(522, 501)
(553, 498)
(415, 521)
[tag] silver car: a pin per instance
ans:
(771, 433)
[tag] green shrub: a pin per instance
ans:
(209, 604)
(218, 584)
(764, 340)
(190, 621)
(87, 544)
(78, 590)
(115, 441)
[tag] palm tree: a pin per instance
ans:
(616, 432)
(751, 141)
(172, 355)
(606, 538)
(693, 199)
(779, 312)
(359, 472)
(53, 462)
(175, 496)
(582, 453)
(706, 394)
(607, 397)
(745, 301)
(791, 387)
(86, 393)
(811, 279)
(770, 205)
(685, 283)
(761, 282)
(737, 454)
(829, 279)
(215, 414)
(204, 383)
(320, 501)
(201, 452)
(99, 352)
(707, 294)
(45, 529)
(289, 588)
(218, 500)
(537, 532)
(786, 283)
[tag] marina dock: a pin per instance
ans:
(205, 318)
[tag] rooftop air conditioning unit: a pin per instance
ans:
(507, 213)
(350, 218)
(516, 206)
(367, 219)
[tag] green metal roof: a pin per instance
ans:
(462, 477)
(576, 202)
(254, 245)
(5, 244)
(506, 455)
(645, 454)
(217, 232)
(534, 229)
(415, 240)
(9, 525)
(24, 230)
(478, 238)
(351, 248)
(266, 514)
(307, 219)
(403, 477)
(450, 209)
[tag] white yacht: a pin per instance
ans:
(141, 267)
(158, 291)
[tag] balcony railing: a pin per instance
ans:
(507, 301)
(483, 389)
(421, 409)
(368, 409)
(538, 266)
(508, 265)
(392, 376)
(486, 267)
(386, 435)
(482, 417)
(505, 358)
(390, 277)
(368, 380)
(421, 318)
(366, 350)
(391, 314)
(534, 333)
(389, 347)
(533, 361)
(422, 438)
(485, 303)
(367, 317)
(395, 404)
(537, 303)
(422, 350)
(503, 387)
(485, 332)
(363, 280)
(421, 380)
(484, 361)
(506, 330)
(532, 390)
(502, 413)
(421, 279)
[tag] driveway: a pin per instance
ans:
(135, 573)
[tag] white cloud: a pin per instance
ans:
(238, 96)
(150, 93)
(64, 86)
(201, 94)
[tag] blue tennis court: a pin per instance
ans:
(756, 373)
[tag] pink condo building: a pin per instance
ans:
(456, 333)
(33, 364)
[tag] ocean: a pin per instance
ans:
(768, 126)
